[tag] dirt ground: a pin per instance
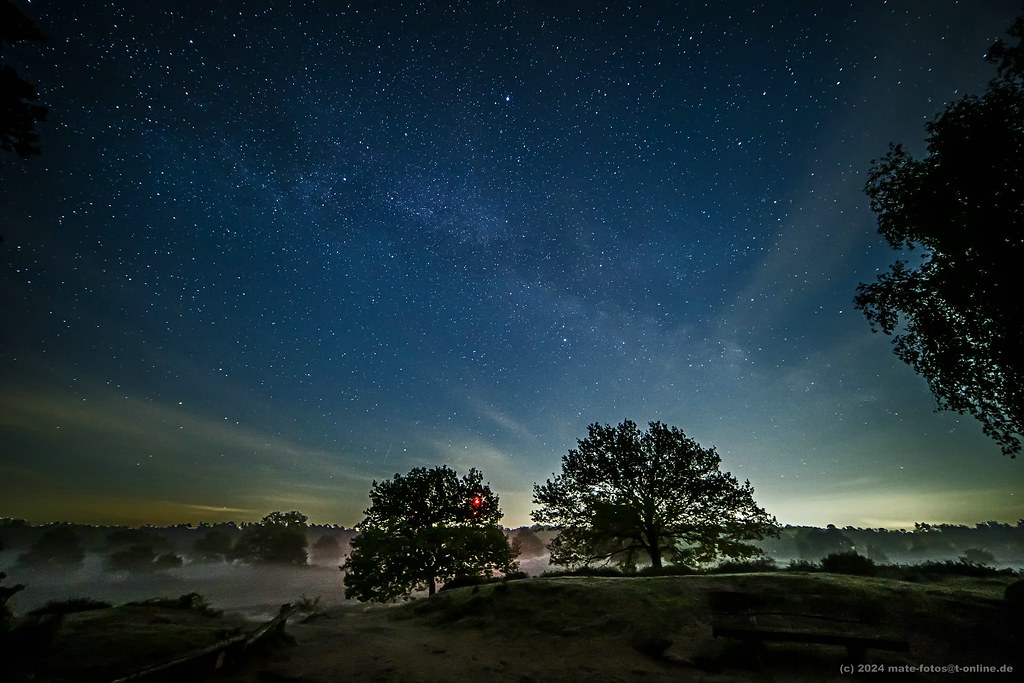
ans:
(619, 630)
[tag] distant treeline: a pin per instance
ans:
(990, 543)
(155, 548)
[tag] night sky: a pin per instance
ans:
(273, 251)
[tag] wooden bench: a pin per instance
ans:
(825, 620)
(856, 645)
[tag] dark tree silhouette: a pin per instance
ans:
(59, 546)
(327, 547)
(279, 538)
(813, 543)
(626, 496)
(19, 111)
(427, 527)
(528, 543)
(121, 539)
(215, 545)
(956, 316)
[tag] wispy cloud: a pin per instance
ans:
(117, 442)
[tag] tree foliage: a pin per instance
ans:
(956, 316)
(327, 547)
(426, 527)
(214, 546)
(59, 546)
(279, 538)
(19, 111)
(628, 496)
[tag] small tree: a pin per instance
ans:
(626, 496)
(426, 527)
(327, 547)
(214, 546)
(279, 538)
(59, 546)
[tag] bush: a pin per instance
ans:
(802, 566)
(141, 558)
(978, 556)
(1014, 596)
(58, 547)
(214, 546)
(465, 581)
(70, 606)
(959, 567)
(587, 570)
(667, 570)
(480, 579)
(849, 563)
(189, 601)
(753, 565)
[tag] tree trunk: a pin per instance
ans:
(431, 587)
(655, 553)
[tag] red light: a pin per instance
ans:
(477, 501)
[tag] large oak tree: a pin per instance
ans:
(628, 496)
(955, 312)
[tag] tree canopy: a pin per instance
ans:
(59, 546)
(628, 496)
(279, 538)
(426, 527)
(955, 313)
(19, 112)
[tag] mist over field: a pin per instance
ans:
(251, 589)
(258, 590)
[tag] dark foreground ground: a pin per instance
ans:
(568, 629)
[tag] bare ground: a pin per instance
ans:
(638, 629)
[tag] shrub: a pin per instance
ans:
(141, 558)
(849, 563)
(959, 567)
(978, 556)
(465, 581)
(214, 546)
(1014, 595)
(480, 579)
(189, 601)
(58, 547)
(667, 570)
(586, 570)
(70, 606)
(802, 566)
(753, 565)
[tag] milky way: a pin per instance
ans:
(274, 251)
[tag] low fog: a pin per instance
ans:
(259, 589)
(254, 590)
